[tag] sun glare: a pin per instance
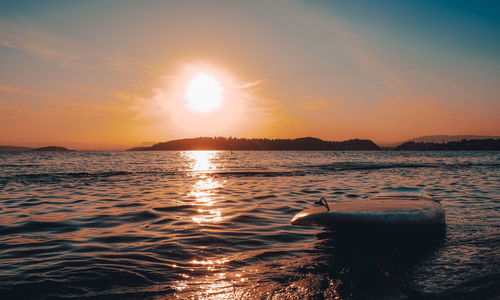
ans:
(200, 99)
(204, 93)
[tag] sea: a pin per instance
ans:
(216, 225)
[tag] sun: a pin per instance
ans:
(204, 93)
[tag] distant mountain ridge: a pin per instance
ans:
(449, 138)
(468, 145)
(438, 139)
(222, 143)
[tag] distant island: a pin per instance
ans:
(51, 148)
(19, 148)
(306, 144)
(222, 143)
(450, 138)
(470, 145)
(15, 148)
(438, 139)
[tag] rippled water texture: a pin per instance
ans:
(217, 225)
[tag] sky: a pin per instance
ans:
(113, 74)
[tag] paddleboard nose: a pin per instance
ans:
(308, 217)
(299, 219)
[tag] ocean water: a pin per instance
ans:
(216, 225)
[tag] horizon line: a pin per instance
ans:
(119, 148)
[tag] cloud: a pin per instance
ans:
(125, 63)
(356, 46)
(11, 89)
(249, 85)
(317, 105)
(370, 64)
(50, 46)
(413, 109)
(36, 41)
(7, 110)
(401, 118)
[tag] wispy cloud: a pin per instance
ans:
(36, 41)
(11, 89)
(51, 46)
(360, 49)
(125, 63)
(370, 64)
(413, 109)
(249, 85)
(317, 105)
(417, 116)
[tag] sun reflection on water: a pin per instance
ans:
(202, 161)
(204, 190)
(217, 283)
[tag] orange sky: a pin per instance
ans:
(114, 75)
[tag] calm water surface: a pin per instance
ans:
(215, 224)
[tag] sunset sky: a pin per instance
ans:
(114, 74)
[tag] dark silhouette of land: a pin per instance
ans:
(307, 143)
(449, 138)
(438, 139)
(14, 148)
(470, 145)
(19, 148)
(51, 148)
(222, 143)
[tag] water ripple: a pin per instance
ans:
(215, 224)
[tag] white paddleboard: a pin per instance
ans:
(388, 210)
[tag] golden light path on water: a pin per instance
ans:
(204, 190)
(217, 283)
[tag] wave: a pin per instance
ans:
(58, 177)
(38, 226)
(346, 166)
(242, 172)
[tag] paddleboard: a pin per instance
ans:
(393, 210)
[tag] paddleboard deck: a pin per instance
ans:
(395, 211)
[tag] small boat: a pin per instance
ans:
(393, 210)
